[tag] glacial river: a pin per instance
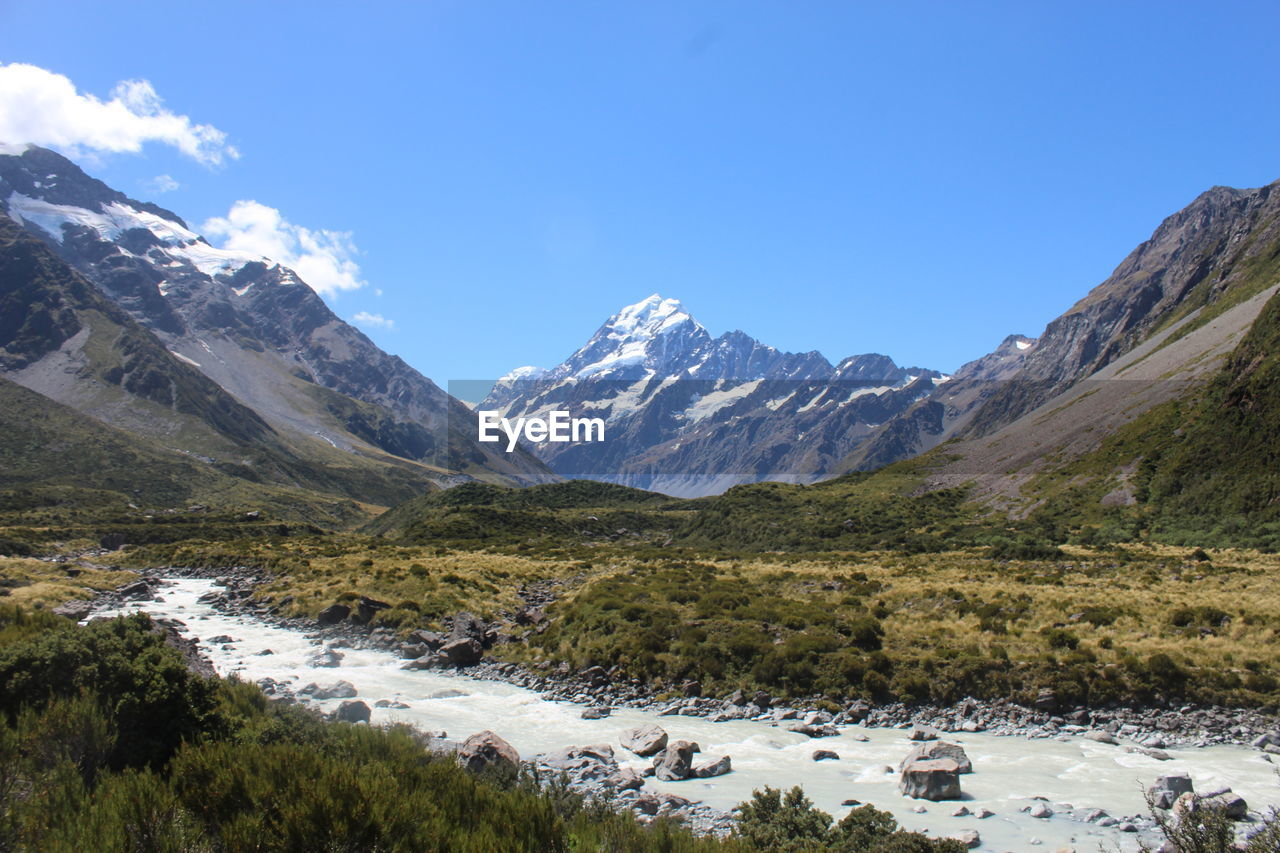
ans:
(1008, 771)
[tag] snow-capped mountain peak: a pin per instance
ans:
(528, 372)
(648, 317)
(640, 340)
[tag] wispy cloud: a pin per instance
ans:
(163, 184)
(44, 108)
(323, 259)
(372, 321)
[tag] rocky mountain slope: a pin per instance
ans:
(689, 414)
(1125, 371)
(271, 363)
(1213, 254)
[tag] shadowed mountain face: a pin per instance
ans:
(248, 324)
(689, 414)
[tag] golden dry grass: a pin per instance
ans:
(37, 583)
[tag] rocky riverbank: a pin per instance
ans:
(469, 640)
(600, 694)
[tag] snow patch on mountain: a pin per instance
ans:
(711, 403)
(179, 243)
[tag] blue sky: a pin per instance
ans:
(917, 179)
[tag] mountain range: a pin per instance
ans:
(226, 377)
(690, 415)
(117, 309)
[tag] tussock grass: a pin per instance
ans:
(37, 584)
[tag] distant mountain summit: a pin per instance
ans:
(252, 326)
(692, 414)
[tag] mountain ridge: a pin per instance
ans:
(255, 329)
(690, 414)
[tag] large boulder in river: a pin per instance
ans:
(718, 767)
(328, 658)
(333, 614)
(582, 764)
(352, 712)
(931, 779)
(939, 749)
(486, 749)
(645, 740)
(675, 762)
(337, 690)
(462, 652)
(1165, 792)
(815, 730)
(137, 589)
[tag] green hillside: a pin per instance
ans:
(63, 473)
(1202, 470)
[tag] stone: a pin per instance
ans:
(485, 749)
(1041, 811)
(923, 733)
(936, 779)
(939, 749)
(333, 614)
(969, 838)
(645, 740)
(462, 652)
(1165, 792)
(367, 609)
(595, 713)
(530, 615)
(710, 768)
(1233, 806)
(74, 610)
(825, 755)
(691, 688)
(983, 814)
(337, 690)
(326, 659)
(815, 729)
(857, 711)
(596, 676)
(675, 762)
(1101, 737)
(1046, 700)
(963, 811)
(625, 779)
(137, 589)
(431, 639)
(352, 712)
(468, 626)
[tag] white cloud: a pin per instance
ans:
(163, 184)
(372, 321)
(44, 108)
(323, 259)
